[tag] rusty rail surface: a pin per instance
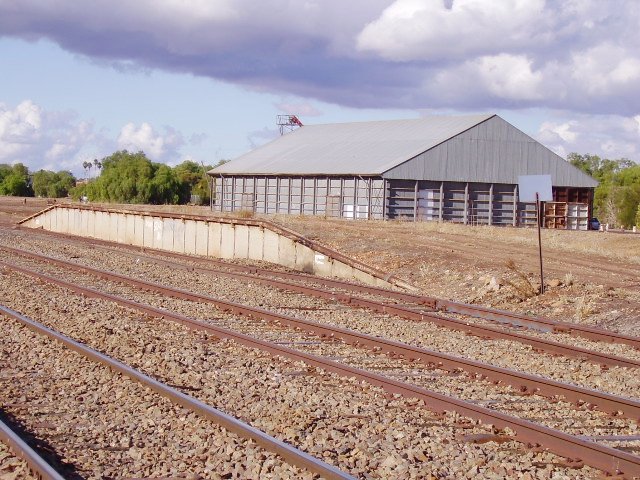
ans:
(477, 311)
(287, 452)
(570, 446)
(522, 381)
(393, 309)
(37, 465)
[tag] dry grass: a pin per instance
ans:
(568, 279)
(584, 308)
(612, 245)
(521, 285)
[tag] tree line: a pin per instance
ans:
(124, 177)
(617, 198)
(17, 181)
(127, 177)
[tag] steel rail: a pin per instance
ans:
(449, 306)
(392, 309)
(288, 452)
(570, 446)
(524, 382)
(37, 465)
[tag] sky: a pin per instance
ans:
(204, 80)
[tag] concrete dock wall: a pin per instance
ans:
(220, 237)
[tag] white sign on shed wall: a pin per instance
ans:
(529, 185)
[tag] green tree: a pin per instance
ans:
(165, 186)
(53, 184)
(127, 177)
(14, 180)
(627, 196)
(193, 181)
(617, 196)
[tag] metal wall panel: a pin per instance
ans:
(158, 232)
(507, 150)
(178, 234)
(102, 225)
(130, 229)
(147, 233)
(122, 228)
(190, 236)
(256, 244)
(227, 241)
(358, 197)
(168, 229)
(113, 227)
(214, 240)
(241, 241)
(202, 238)
(139, 230)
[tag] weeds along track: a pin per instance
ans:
(96, 418)
(560, 415)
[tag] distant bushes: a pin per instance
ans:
(617, 198)
(14, 180)
(127, 177)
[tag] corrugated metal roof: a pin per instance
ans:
(361, 148)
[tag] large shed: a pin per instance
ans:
(449, 168)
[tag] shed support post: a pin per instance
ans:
(355, 197)
(369, 193)
(415, 202)
(266, 195)
(465, 212)
(315, 194)
(278, 194)
(490, 204)
(441, 209)
(212, 182)
(254, 199)
(222, 193)
(384, 199)
(301, 209)
(341, 213)
(233, 193)
(515, 205)
(289, 196)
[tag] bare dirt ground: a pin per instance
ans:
(591, 277)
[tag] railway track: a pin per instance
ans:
(34, 463)
(409, 433)
(410, 351)
(292, 455)
(541, 343)
(409, 390)
(406, 304)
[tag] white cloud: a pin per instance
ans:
(428, 30)
(510, 76)
(54, 140)
(20, 128)
(610, 136)
(159, 147)
(559, 132)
